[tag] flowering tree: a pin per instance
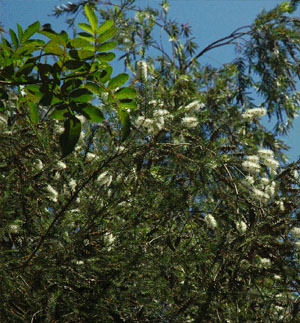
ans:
(192, 216)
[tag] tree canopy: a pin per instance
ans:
(165, 199)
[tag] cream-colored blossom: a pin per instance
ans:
(61, 165)
(254, 113)
(250, 166)
(241, 226)
(53, 194)
(141, 70)
(39, 164)
(265, 153)
(72, 184)
(190, 122)
(265, 262)
(210, 221)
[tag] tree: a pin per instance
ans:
(191, 216)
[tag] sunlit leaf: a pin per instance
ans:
(107, 46)
(14, 38)
(118, 81)
(86, 27)
(105, 26)
(92, 113)
(105, 57)
(107, 35)
(87, 36)
(30, 31)
(60, 113)
(91, 17)
(125, 93)
(128, 103)
(33, 112)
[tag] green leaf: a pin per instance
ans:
(105, 74)
(60, 113)
(107, 35)
(86, 27)
(53, 47)
(69, 138)
(95, 88)
(125, 120)
(57, 38)
(107, 46)
(46, 99)
(30, 31)
(105, 26)
(33, 112)
(105, 57)
(80, 43)
(24, 70)
(20, 31)
(86, 54)
(128, 103)
(117, 81)
(3, 94)
(87, 36)
(81, 95)
(14, 38)
(125, 93)
(74, 64)
(92, 113)
(70, 85)
(91, 17)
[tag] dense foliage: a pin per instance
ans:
(182, 210)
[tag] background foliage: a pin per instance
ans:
(175, 205)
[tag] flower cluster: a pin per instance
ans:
(254, 113)
(141, 70)
(157, 123)
(210, 221)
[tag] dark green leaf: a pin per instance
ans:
(105, 26)
(81, 95)
(108, 34)
(128, 103)
(70, 85)
(60, 113)
(70, 136)
(125, 93)
(107, 46)
(92, 113)
(74, 64)
(125, 120)
(3, 94)
(24, 70)
(105, 57)
(105, 74)
(46, 99)
(91, 17)
(117, 81)
(30, 31)
(33, 112)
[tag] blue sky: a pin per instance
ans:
(210, 20)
